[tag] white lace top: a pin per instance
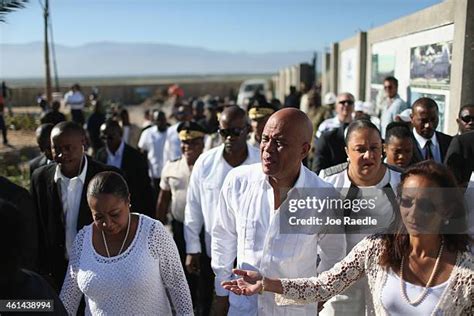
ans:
(457, 299)
(135, 282)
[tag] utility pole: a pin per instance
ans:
(49, 96)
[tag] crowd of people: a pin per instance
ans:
(186, 215)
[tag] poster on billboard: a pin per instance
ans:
(430, 65)
(440, 97)
(348, 73)
(382, 66)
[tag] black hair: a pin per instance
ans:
(360, 124)
(43, 132)
(465, 106)
(391, 79)
(398, 130)
(427, 103)
(67, 127)
(108, 182)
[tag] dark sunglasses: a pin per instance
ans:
(349, 102)
(467, 118)
(232, 132)
(425, 205)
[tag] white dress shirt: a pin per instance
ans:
(248, 227)
(327, 125)
(75, 99)
(153, 142)
(172, 150)
(421, 142)
(115, 159)
(71, 192)
(205, 183)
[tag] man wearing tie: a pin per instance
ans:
(429, 143)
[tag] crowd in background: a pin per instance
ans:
(154, 218)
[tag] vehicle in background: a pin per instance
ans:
(248, 89)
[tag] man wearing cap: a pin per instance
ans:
(344, 109)
(259, 111)
(172, 150)
(174, 187)
(205, 183)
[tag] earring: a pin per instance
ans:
(348, 160)
(104, 224)
(446, 221)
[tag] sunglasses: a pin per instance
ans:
(467, 118)
(425, 205)
(232, 132)
(349, 102)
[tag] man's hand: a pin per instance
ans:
(249, 284)
(193, 266)
(222, 305)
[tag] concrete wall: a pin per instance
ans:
(135, 94)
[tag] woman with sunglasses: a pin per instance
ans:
(123, 263)
(422, 268)
(363, 177)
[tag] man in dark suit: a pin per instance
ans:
(429, 144)
(329, 150)
(21, 199)
(59, 195)
(460, 157)
(43, 133)
(133, 164)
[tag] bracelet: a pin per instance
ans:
(263, 288)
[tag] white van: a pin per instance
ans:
(248, 88)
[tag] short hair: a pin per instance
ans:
(67, 127)
(426, 103)
(113, 124)
(361, 124)
(391, 79)
(108, 182)
(43, 132)
(398, 130)
(464, 107)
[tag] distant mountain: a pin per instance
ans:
(127, 59)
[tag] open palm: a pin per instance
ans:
(249, 283)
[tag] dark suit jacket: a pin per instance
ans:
(37, 162)
(460, 156)
(443, 141)
(135, 170)
(329, 150)
(21, 198)
(51, 231)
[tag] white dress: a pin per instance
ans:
(136, 282)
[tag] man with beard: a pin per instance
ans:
(205, 183)
(429, 143)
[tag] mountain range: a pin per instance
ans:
(137, 59)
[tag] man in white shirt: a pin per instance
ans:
(151, 143)
(172, 150)
(391, 104)
(59, 193)
(344, 109)
(205, 183)
(429, 143)
(76, 101)
(249, 218)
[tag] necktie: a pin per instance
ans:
(428, 152)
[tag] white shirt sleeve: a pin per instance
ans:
(70, 294)
(193, 217)
(171, 270)
(224, 242)
(142, 142)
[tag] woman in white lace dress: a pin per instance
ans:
(123, 263)
(422, 268)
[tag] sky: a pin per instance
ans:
(255, 26)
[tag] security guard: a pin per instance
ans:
(259, 111)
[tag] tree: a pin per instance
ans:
(7, 6)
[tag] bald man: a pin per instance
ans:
(249, 219)
(208, 174)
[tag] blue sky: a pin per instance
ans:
(228, 25)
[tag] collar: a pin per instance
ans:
(58, 175)
(422, 141)
(300, 181)
(119, 152)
